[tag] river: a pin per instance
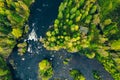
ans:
(43, 13)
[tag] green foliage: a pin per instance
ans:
(17, 32)
(115, 45)
(13, 15)
(14, 18)
(87, 27)
(4, 70)
(73, 10)
(28, 2)
(66, 61)
(5, 30)
(107, 6)
(6, 45)
(107, 22)
(94, 9)
(69, 23)
(110, 29)
(116, 58)
(90, 55)
(22, 48)
(76, 75)
(110, 66)
(114, 15)
(96, 75)
(45, 70)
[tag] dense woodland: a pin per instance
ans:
(88, 27)
(13, 18)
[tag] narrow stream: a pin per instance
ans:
(43, 13)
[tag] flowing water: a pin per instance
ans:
(42, 16)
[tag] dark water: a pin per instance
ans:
(43, 13)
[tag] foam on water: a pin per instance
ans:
(29, 49)
(33, 36)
